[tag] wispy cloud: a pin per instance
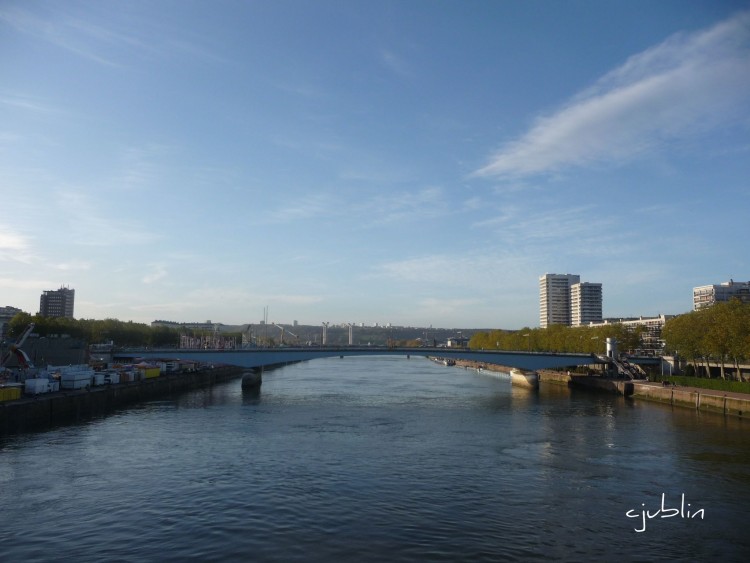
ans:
(395, 63)
(14, 246)
(315, 206)
(687, 85)
(376, 210)
(414, 205)
(26, 284)
(90, 225)
(27, 103)
(95, 36)
(467, 272)
(525, 224)
(62, 30)
(140, 167)
(431, 307)
(73, 265)
(158, 272)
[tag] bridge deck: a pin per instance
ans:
(257, 357)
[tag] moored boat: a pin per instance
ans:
(528, 379)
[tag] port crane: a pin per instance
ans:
(15, 350)
(282, 333)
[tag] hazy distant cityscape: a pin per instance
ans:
(563, 300)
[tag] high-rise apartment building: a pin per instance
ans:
(707, 295)
(554, 298)
(585, 303)
(57, 303)
(564, 300)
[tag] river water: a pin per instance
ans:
(380, 459)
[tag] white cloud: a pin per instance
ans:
(311, 207)
(89, 225)
(25, 284)
(412, 206)
(74, 265)
(474, 272)
(159, 272)
(685, 86)
(395, 63)
(14, 246)
(28, 103)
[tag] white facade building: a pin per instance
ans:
(651, 340)
(707, 295)
(585, 303)
(554, 298)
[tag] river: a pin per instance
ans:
(381, 459)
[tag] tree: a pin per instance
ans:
(720, 332)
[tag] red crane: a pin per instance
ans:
(15, 350)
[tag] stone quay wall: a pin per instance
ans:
(51, 409)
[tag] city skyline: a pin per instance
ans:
(417, 163)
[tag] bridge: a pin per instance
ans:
(259, 357)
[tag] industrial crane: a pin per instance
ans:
(282, 333)
(15, 349)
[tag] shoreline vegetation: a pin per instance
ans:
(711, 345)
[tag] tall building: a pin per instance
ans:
(57, 303)
(6, 314)
(707, 295)
(554, 298)
(585, 303)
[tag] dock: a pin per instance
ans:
(46, 410)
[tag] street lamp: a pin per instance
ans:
(527, 335)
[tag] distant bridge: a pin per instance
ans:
(258, 357)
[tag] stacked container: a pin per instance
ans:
(76, 377)
(10, 393)
(35, 386)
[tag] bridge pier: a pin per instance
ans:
(252, 379)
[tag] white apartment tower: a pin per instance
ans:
(707, 295)
(554, 298)
(585, 303)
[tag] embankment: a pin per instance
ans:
(43, 411)
(706, 400)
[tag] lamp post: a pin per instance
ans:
(527, 335)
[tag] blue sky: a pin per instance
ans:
(414, 163)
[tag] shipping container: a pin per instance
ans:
(75, 383)
(10, 393)
(76, 376)
(112, 377)
(150, 372)
(36, 386)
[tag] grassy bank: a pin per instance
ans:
(705, 383)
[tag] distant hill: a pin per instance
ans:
(339, 335)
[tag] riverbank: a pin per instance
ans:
(704, 400)
(30, 414)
